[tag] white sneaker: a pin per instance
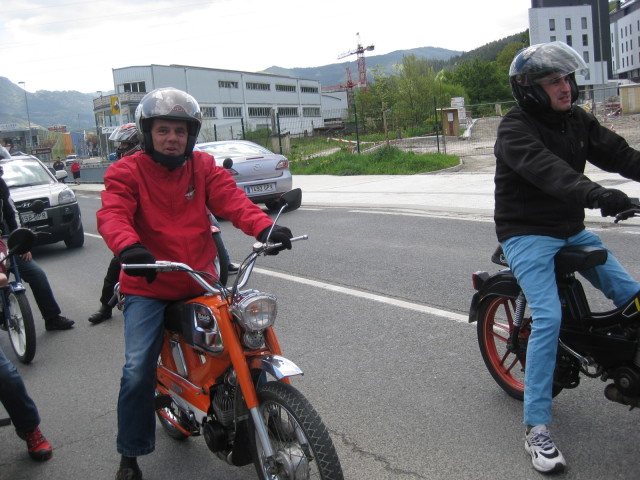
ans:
(546, 458)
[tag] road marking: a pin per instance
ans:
(92, 235)
(369, 296)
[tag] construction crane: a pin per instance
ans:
(362, 68)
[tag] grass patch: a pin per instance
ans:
(384, 161)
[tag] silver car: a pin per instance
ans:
(262, 174)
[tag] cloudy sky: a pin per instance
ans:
(75, 44)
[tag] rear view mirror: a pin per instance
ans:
(21, 241)
(292, 199)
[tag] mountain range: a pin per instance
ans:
(75, 109)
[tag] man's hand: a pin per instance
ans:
(278, 235)
(27, 257)
(612, 201)
(137, 253)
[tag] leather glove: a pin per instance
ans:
(612, 201)
(137, 253)
(278, 235)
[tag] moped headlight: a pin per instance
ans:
(256, 311)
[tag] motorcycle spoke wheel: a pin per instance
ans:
(20, 326)
(494, 328)
(301, 442)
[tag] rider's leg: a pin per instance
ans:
(611, 278)
(531, 260)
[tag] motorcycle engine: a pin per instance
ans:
(222, 403)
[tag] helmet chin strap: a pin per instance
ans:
(170, 162)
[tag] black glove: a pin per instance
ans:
(137, 253)
(612, 201)
(278, 235)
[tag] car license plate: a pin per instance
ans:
(264, 187)
(32, 217)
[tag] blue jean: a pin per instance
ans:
(531, 258)
(13, 395)
(143, 334)
(33, 274)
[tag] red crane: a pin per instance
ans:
(362, 68)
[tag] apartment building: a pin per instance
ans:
(584, 25)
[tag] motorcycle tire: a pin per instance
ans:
(20, 326)
(222, 260)
(495, 324)
(303, 448)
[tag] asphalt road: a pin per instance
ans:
(372, 308)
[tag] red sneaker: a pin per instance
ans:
(38, 446)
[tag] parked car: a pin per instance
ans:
(262, 174)
(70, 159)
(45, 205)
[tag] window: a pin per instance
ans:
(552, 38)
(227, 84)
(208, 112)
(259, 111)
(585, 40)
(583, 21)
(288, 111)
(258, 86)
(285, 88)
(552, 24)
(569, 40)
(310, 111)
(567, 23)
(232, 112)
(309, 89)
(585, 56)
(135, 87)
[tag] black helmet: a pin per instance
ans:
(128, 139)
(533, 63)
(170, 104)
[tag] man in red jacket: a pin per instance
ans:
(154, 206)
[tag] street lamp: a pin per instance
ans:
(28, 117)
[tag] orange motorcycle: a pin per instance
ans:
(221, 374)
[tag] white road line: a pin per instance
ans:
(92, 235)
(370, 296)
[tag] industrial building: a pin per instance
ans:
(232, 102)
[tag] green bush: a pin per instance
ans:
(383, 161)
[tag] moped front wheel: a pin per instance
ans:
(507, 366)
(301, 442)
(20, 326)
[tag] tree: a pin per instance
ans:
(482, 81)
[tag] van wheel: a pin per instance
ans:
(76, 240)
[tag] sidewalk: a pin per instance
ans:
(455, 191)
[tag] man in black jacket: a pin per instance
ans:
(541, 192)
(30, 271)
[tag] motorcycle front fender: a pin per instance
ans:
(500, 284)
(278, 366)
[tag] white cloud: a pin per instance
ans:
(73, 45)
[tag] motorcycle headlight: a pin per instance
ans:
(256, 311)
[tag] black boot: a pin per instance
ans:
(58, 323)
(103, 313)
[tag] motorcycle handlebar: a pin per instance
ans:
(168, 266)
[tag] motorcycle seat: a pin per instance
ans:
(578, 258)
(567, 260)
